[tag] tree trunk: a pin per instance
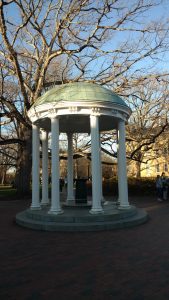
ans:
(3, 176)
(138, 169)
(24, 161)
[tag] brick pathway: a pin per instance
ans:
(130, 264)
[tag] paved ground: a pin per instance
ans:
(130, 264)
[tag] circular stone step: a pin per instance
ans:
(80, 219)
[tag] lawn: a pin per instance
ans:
(7, 192)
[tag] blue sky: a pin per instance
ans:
(160, 12)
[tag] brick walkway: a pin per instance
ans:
(124, 264)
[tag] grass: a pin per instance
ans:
(7, 192)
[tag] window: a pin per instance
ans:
(157, 168)
(148, 170)
(165, 167)
(165, 151)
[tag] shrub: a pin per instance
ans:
(141, 186)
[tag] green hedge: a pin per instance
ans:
(142, 186)
(139, 187)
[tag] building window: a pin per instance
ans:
(165, 167)
(148, 170)
(157, 168)
(165, 151)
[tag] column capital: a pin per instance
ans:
(54, 116)
(122, 118)
(95, 111)
(35, 126)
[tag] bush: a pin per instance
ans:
(141, 186)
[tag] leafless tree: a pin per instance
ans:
(148, 123)
(8, 152)
(45, 42)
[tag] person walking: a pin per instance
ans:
(164, 186)
(159, 188)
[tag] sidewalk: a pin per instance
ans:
(122, 264)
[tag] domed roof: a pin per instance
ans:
(79, 92)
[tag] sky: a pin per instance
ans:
(160, 12)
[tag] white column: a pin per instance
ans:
(70, 193)
(55, 197)
(122, 172)
(45, 199)
(35, 168)
(117, 141)
(101, 177)
(96, 169)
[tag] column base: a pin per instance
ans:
(124, 206)
(32, 207)
(44, 203)
(70, 198)
(95, 211)
(70, 201)
(118, 201)
(103, 200)
(55, 212)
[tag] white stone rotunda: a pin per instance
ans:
(79, 107)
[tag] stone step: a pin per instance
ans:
(138, 218)
(81, 215)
